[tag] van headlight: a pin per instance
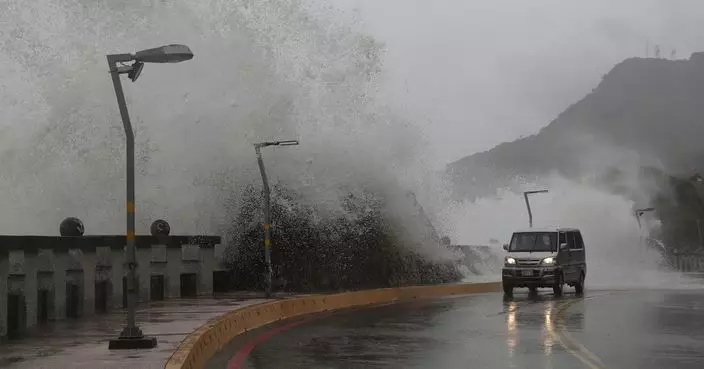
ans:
(549, 261)
(510, 261)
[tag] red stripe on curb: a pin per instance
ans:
(243, 352)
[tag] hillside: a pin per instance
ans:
(645, 106)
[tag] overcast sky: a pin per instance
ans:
(488, 71)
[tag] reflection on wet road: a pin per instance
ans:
(602, 329)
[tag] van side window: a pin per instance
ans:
(571, 241)
(563, 238)
(579, 240)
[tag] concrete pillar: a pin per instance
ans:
(88, 263)
(118, 271)
(158, 267)
(191, 263)
(103, 274)
(4, 269)
(30, 287)
(219, 251)
(60, 261)
(173, 272)
(207, 257)
(103, 257)
(144, 258)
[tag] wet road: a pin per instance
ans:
(602, 329)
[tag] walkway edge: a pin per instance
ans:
(203, 343)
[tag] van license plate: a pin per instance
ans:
(527, 273)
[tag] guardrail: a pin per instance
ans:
(203, 343)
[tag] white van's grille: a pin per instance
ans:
(528, 261)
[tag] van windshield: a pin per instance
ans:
(533, 241)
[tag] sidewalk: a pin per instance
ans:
(83, 343)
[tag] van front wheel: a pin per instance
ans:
(559, 282)
(508, 289)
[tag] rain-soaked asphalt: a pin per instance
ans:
(603, 329)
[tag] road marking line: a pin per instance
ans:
(589, 364)
(566, 334)
(561, 310)
(555, 334)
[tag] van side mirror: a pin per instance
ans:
(506, 246)
(563, 246)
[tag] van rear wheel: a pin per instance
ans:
(579, 287)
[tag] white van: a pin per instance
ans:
(545, 258)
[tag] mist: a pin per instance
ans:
(478, 73)
(263, 70)
(380, 94)
(616, 250)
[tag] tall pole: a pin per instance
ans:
(639, 213)
(131, 336)
(530, 213)
(131, 330)
(267, 207)
(267, 220)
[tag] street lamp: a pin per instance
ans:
(639, 212)
(267, 207)
(131, 336)
(530, 213)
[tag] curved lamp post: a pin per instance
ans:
(267, 206)
(131, 336)
(530, 213)
(639, 213)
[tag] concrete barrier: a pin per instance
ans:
(206, 341)
(47, 278)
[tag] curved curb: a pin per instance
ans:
(204, 342)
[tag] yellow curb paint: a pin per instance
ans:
(206, 341)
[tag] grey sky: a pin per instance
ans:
(470, 73)
(485, 72)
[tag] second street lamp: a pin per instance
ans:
(639, 213)
(530, 213)
(131, 336)
(267, 206)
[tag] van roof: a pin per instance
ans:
(547, 229)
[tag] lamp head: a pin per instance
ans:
(164, 54)
(136, 70)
